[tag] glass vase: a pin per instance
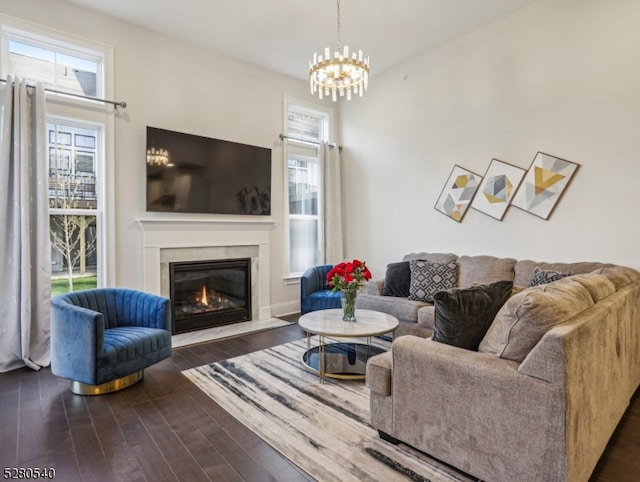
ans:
(348, 301)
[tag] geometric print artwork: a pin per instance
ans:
(458, 193)
(544, 184)
(498, 187)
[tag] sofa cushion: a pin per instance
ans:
(598, 286)
(463, 315)
(527, 316)
(433, 257)
(397, 279)
(426, 316)
(541, 277)
(619, 275)
(483, 270)
(428, 278)
(402, 308)
(524, 269)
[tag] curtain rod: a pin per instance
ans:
(105, 101)
(283, 137)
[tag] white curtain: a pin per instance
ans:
(25, 256)
(333, 240)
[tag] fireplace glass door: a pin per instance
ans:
(205, 294)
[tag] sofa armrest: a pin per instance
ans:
(374, 287)
(77, 333)
(444, 397)
(314, 279)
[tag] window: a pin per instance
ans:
(75, 207)
(58, 67)
(305, 129)
(78, 150)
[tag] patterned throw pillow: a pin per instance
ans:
(428, 278)
(542, 277)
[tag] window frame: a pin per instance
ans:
(62, 44)
(81, 112)
(309, 151)
(98, 212)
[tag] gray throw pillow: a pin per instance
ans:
(463, 315)
(428, 278)
(542, 277)
(527, 316)
(397, 280)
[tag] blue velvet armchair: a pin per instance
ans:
(314, 291)
(103, 339)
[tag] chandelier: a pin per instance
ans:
(157, 157)
(339, 74)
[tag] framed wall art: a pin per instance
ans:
(497, 188)
(458, 193)
(543, 185)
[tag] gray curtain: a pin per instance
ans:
(333, 239)
(25, 256)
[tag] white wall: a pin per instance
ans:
(562, 77)
(173, 85)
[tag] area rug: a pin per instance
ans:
(322, 428)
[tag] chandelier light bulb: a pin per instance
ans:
(157, 157)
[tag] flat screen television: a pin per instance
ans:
(194, 174)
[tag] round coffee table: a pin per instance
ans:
(343, 360)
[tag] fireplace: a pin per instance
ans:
(210, 293)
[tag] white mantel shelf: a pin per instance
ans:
(213, 236)
(207, 224)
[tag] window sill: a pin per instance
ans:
(292, 279)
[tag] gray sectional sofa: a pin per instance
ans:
(543, 394)
(417, 317)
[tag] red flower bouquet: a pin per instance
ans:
(348, 275)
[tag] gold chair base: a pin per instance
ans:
(111, 386)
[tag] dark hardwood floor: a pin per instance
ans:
(165, 428)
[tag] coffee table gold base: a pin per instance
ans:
(340, 360)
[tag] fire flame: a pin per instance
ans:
(203, 298)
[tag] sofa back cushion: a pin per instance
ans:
(618, 275)
(527, 316)
(433, 257)
(523, 270)
(484, 270)
(598, 286)
(463, 315)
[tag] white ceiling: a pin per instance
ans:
(282, 35)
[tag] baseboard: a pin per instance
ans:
(287, 308)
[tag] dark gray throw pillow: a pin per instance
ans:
(463, 315)
(428, 278)
(542, 277)
(397, 279)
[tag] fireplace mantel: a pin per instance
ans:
(207, 236)
(148, 225)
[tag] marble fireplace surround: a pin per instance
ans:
(165, 241)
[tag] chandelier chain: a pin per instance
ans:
(338, 23)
